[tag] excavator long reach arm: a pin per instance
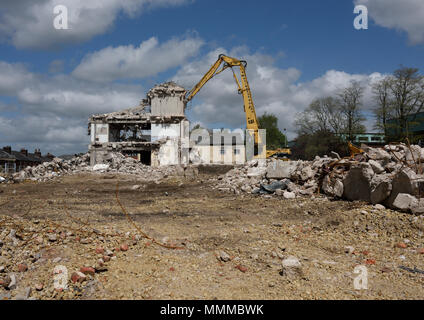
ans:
(242, 84)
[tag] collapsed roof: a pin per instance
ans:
(142, 113)
(168, 89)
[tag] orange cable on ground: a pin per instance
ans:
(138, 228)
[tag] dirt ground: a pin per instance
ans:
(82, 214)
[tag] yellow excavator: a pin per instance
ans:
(244, 90)
(282, 153)
(354, 150)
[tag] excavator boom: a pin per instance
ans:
(242, 84)
(243, 89)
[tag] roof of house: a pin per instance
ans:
(20, 156)
(30, 157)
(6, 156)
(36, 158)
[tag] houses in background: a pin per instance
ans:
(14, 161)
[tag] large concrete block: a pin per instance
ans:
(281, 169)
(332, 187)
(414, 155)
(378, 154)
(381, 187)
(419, 208)
(405, 202)
(376, 166)
(256, 172)
(357, 184)
(406, 181)
(167, 99)
(307, 173)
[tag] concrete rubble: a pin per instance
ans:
(114, 163)
(265, 243)
(391, 176)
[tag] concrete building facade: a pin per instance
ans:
(218, 147)
(154, 133)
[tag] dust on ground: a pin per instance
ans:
(63, 222)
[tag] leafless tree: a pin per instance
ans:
(407, 89)
(384, 109)
(350, 104)
(323, 114)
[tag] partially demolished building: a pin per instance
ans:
(155, 133)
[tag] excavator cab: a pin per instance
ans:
(281, 154)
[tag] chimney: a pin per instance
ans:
(37, 153)
(50, 156)
(8, 149)
(24, 152)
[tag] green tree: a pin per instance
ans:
(274, 137)
(323, 114)
(320, 143)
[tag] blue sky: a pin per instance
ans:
(52, 80)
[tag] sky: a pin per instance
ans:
(113, 51)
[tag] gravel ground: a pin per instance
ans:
(215, 245)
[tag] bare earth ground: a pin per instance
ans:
(256, 232)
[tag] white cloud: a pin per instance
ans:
(65, 96)
(53, 111)
(126, 62)
(29, 23)
(49, 133)
(403, 15)
(12, 76)
(275, 90)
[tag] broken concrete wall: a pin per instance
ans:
(166, 130)
(281, 169)
(145, 136)
(99, 133)
(177, 146)
(168, 106)
(98, 157)
(381, 188)
(167, 99)
(169, 153)
(185, 142)
(407, 182)
(357, 184)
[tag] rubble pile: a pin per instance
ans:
(31, 251)
(58, 167)
(391, 176)
(114, 163)
(168, 89)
